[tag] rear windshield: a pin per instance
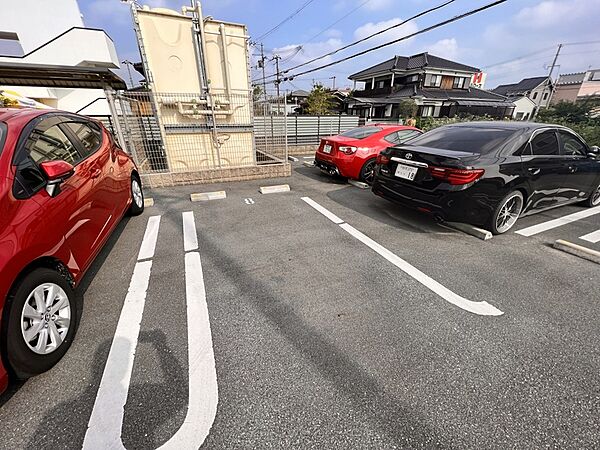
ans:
(361, 132)
(464, 139)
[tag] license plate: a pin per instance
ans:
(327, 148)
(406, 172)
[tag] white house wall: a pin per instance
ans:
(29, 19)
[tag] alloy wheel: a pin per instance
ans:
(509, 213)
(46, 318)
(136, 190)
(369, 172)
(596, 197)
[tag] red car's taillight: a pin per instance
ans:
(347, 150)
(456, 176)
(382, 159)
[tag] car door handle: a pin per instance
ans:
(534, 170)
(95, 173)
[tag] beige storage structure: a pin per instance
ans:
(200, 84)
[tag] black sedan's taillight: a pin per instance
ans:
(455, 176)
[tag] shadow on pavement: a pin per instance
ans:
(317, 175)
(64, 426)
(384, 211)
(383, 411)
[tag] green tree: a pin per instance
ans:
(319, 101)
(407, 108)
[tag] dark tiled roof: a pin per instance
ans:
(300, 93)
(418, 61)
(437, 94)
(526, 84)
(571, 78)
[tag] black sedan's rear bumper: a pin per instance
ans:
(469, 205)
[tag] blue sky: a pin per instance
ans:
(503, 33)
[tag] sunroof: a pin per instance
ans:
(9, 44)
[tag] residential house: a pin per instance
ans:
(537, 89)
(580, 86)
(438, 86)
(31, 40)
(524, 108)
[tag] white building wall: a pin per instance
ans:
(38, 21)
(524, 108)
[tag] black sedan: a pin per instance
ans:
(490, 173)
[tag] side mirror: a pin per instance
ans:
(595, 149)
(56, 172)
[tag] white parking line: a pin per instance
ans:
(331, 216)
(545, 226)
(149, 240)
(202, 382)
(106, 421)
(592, 237)
(481, 308)
(190, 239)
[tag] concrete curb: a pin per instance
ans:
(479, 233)
(359, 184)
(205, 196)
(274, 189)
(578, 250)
(148, 202)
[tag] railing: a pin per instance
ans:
(302, 130)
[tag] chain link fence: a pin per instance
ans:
(184, 133)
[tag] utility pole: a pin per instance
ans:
(276, 58)
(333, 78)
(261, 63)
(128, 64)
(550, 74)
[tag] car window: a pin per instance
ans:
(51, 145)
(545, 144)
(464, 139)
(361, 132)
(405, 135)
(392, 138)
(89, 135)
(570, 145)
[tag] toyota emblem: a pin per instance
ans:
(408, 156)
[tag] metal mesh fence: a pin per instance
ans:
(179, 132)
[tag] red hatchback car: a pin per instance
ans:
(353, 153)
(64, 185)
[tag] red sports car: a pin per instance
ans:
(352, 154)
(64, 185)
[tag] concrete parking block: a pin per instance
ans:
(308, 163)
(480, 233)
(148, 202)
(359, 184)
(293, 159)
(578, 250)
(205, 196)
(274, 189)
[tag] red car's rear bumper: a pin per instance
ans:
(347, 165)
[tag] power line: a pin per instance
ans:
(352, 44)
(288, 18)
(333, 52)
(338, 21)
(432, 27)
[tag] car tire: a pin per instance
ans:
(367, 173)
(594, 199)
(34, 339)
(507, 213)
(137, 197)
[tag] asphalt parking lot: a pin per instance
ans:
(323, 317)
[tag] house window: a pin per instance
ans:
(412, 78)
(595, 76)
(535, 95)
(427, 111)
(459, 83)
(380, 84)
(435, 81)
(545, 95)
